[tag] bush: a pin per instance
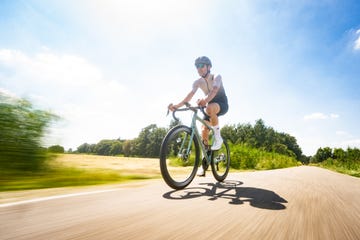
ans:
(21, 131)
(56, 149)
(344, 161)
(245, 157)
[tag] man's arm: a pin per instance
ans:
(180, 104)
(212, 94)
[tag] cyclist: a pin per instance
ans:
(215, 101)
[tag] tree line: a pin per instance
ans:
(263, 137)
(344, 161)
(244, 139)
(22, 129)
(349, 155)
(148, 143)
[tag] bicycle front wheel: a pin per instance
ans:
(179, 157)
(220, 163)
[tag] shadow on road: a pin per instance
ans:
(257, 197)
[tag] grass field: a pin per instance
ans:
(81, 170)
(70, 170)
(125, 165)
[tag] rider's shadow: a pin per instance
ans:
(256, 197)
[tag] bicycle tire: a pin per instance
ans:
(172, 159)
(220, 162)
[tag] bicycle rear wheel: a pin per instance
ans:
(179, 157)
(220, 163)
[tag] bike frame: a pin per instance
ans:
(195, 131)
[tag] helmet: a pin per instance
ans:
(203, 60)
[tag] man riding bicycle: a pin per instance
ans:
(215, 101)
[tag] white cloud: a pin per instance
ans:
(92, 106)
(315, 116)
(341, 133)
(333, 115)
(353, 143)
(357, 41)
(47, 68)
(320, 116)
(131, 20)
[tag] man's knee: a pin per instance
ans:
(210, 110)
(213, 109)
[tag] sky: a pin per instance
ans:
(110, 68)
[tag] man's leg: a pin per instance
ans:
(205, 139)
(205, 133)
(212, 110)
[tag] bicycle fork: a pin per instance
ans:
(185, 151)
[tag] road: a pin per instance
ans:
(294, 203)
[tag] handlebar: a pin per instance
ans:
(187, 108)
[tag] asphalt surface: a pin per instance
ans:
(294, 203)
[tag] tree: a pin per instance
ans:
(259, 134)
(103, 147)
(339, 154)
(56, 149)
(291, 144)
(271, 139)
(282, 149)
(21, 129)
(116, 148)
(127, 148)
(263, 137)
(245, 134)
(353, 154)
(229, 133)
(156, 137)
(321, 155)
(149, 141)
(85, 148)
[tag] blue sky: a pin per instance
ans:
(109, 68)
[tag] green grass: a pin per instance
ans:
(178, 162)
(351, 168)
(63, 177)
(245, 157)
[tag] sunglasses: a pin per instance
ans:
(200, 65)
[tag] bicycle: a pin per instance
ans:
(180, 152)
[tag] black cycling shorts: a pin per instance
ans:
(224, 107)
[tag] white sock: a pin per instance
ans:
(217, 130)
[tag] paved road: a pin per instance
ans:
(294, 203)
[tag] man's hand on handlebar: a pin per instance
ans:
(172, 107)
(177, 107)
